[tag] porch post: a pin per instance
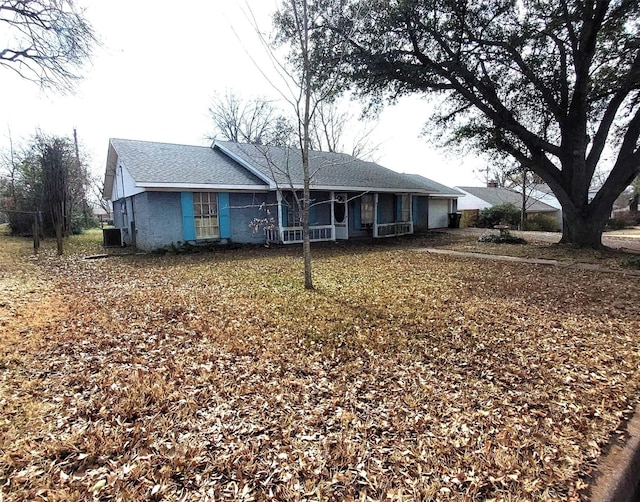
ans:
(375, 215)
(279, 200)
(332, 197)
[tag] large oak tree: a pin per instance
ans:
(554, 84)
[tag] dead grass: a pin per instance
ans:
(217, 376)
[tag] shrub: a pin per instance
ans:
(502, 214)
(616, 224)
(624, 219)
(469, 218)
(540, 222)
(504, 238)
(633, 262)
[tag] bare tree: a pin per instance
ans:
(257, 121)
(48, 42)
(9, 164)
(303, 87)
(330, 129)
(96, 189)
(297, 13)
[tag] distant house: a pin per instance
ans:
(167, 193)
(477, 198)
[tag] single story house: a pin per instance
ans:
(166, 193)
(477, 198)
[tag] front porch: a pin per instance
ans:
(340, 216)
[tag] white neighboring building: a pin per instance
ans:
(477, 198)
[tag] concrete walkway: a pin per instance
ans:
(623, 240)
(618, 472)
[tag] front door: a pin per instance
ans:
(341, 216)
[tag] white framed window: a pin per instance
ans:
(205, 213)
(366, 210)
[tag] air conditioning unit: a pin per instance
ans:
(112, 237)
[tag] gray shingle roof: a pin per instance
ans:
(433, 186)
(245, 165)
(496, 196)
(150, 162)
(328, 169)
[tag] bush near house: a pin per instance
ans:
(502, 214)
(469, 218)
(540, 222)
(624, 219)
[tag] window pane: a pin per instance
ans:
(366, 210)
(205, 210)
(406, 207)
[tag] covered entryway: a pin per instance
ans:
(341, 216)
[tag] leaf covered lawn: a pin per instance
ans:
(216, 376)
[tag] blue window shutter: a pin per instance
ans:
(357, 219)
(379, 211)
(188, 223)
(414, 207)
(398, 207)
(224, 215)
(312, 214)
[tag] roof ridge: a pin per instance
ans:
(158, 142)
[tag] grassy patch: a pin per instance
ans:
(402, 377)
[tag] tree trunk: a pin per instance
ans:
(583, 231)
(306, 145)
(59, 240)
(306, 252)
(523, 202)
(306, 203)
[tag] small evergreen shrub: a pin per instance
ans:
(502, 214)
(616, 224)
(504, 238)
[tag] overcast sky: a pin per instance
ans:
(157, 71)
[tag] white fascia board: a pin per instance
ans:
(412, 191)
(334, 188)
(446, 195)
(173, 187)
(330, 188)
(253, 170)
(110, 173)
